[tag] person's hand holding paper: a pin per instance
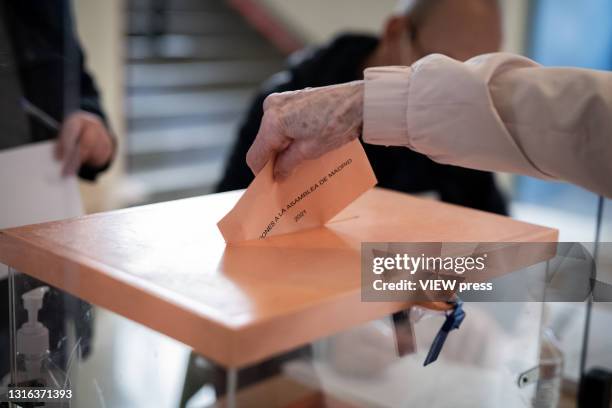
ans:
(313, 194)
(308, 167)
(304, 125)
(84, 143)
(83, 140)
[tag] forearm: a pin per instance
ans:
(497, 112)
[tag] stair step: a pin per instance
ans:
(170, 195)
(179, 139)
(221, 103)
(182, 5)
(226, 46)
(219, 46)
(171, 159)
(153, 90)
(188, 22)
(150, 123)
(192, 68)
(199, 73)
(202, 176)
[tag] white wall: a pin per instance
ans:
(316, 21)
(101, 30)
(515, 24)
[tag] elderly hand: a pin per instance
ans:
(83, 139)
(304, 125)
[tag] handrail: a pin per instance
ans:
(268, 25)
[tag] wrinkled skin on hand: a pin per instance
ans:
(304, 125)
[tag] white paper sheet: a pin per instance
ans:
(32, 189)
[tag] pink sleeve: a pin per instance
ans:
(496, 112)
(385, 105)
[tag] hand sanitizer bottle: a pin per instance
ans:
(35, 368)
(32, 339)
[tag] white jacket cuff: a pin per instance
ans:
(385, 105)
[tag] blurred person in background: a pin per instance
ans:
(46, 93)
(494, 112)
(457, 28)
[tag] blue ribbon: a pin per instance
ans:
(454, 317)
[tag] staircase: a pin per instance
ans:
(193, 67)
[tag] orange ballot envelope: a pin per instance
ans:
(315, 192)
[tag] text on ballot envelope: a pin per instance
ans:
(315, 192)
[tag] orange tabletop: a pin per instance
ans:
(166, 266)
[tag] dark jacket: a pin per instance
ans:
(47, 61)
(396, 168)
(50, 64)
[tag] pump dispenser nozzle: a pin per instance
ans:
(33, 336)
(33, 301)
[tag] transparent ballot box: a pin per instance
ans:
(149, 307)
(595, 369)
(103, 359)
